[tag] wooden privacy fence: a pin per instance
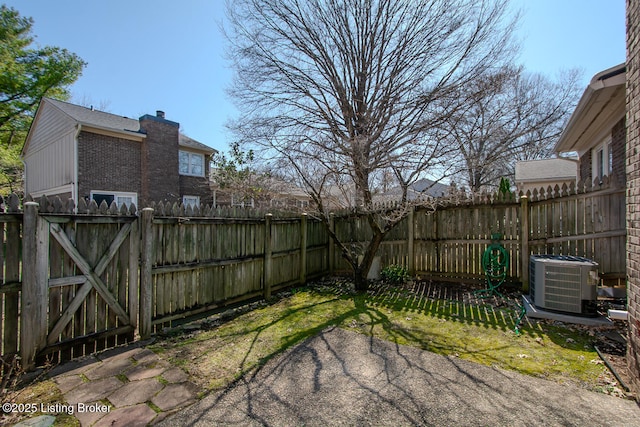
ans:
(75, 280)
(76, 283)
(446, 242)
(197, 264)
(80, 282)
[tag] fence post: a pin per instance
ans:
(411, 264)
(134, 273)
(267, 256)
(12, 275)
(303, 249)
(146, 283)
(524, 242)
(332, 246)
(35, 298)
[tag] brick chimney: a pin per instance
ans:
(159, 163)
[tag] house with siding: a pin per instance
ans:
(422, 189)
(260, 191)
(77, 152)
(596, 130)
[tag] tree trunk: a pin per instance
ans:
(360, 280)
(361, 272)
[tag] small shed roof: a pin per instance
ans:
(546, 170)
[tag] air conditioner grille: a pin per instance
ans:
(562, 288)
(564, 283)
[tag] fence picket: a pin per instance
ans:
(55, 271)
(11, 299)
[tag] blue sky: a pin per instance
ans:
(148, 55)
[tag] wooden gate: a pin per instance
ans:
(83, 275)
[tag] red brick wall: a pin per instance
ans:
(148, 168)
(618, 147)
(107, 163)
(160, 181)
(633, 191)
(585, 167)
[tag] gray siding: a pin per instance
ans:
(51, 142)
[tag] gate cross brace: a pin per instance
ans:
(93, 278)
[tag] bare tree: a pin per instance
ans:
(349, 91)
(507, 115)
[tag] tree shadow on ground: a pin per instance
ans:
(384, 312)
(340, 377)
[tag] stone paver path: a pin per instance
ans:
(128, 386)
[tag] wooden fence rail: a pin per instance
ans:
(91, 277)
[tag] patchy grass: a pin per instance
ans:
(475, 332)
(217, 357)
(41, 392)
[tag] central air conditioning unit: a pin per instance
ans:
(565, 284)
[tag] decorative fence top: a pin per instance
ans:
(10, 204)
(56, 206)
(13, 204)
(612, 182)
(461, 197)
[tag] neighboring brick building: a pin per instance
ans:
(76, 152)
(633, 191)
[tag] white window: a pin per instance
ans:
(600, 163)
(120, 197)
(602, 160)
(193, 201)
(191, 163)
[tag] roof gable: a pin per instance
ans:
(421, 188)
(100, 119)
(430, 188)
(60, 114)
(601, 106)
(49, 125)
(190, 143)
